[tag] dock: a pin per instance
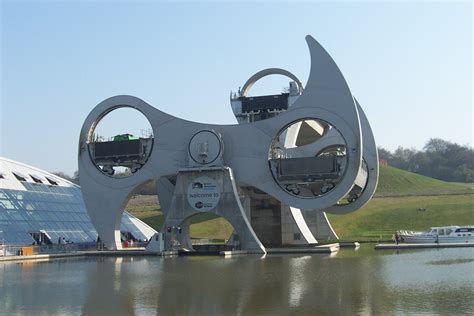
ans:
(349, 244)
(326, 248)
(91, 253)
(423, 246)
(233, 253)
(329, 248)
(41, 257)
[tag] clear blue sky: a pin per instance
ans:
(409, 64)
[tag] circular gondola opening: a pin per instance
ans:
(308, 158)
(121, 142)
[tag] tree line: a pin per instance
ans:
(439, 159)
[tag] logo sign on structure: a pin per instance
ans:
(203, 194)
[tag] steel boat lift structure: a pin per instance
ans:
(292, 158)
(302, 141)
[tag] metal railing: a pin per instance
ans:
(16, 250)
(24, 250)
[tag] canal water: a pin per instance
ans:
(364, 281)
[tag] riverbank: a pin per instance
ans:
(403, 201)
(381, 217)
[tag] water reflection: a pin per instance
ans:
(109, 290)
(419, 286)
(433, 281)
(42, 287)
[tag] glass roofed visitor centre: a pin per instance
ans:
(40, 208)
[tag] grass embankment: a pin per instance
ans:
(397, 182)
(400, 195)
(397, 202)
(381, 217)
(203, 226)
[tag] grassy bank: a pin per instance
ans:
(203, 226)
(377, 220)
(397, 182)
(381, 217)
(396, 205)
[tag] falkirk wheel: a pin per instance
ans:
(292, 158)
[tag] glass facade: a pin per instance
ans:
(57, 211)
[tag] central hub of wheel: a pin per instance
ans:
(206, 148)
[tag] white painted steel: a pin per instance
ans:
(301, 223)
(326, 97)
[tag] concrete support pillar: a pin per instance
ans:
(214, 191)
(319, 225)
(105, 208)
(294, 230)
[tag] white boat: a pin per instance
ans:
(445, 234)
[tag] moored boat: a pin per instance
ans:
(445, 234)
